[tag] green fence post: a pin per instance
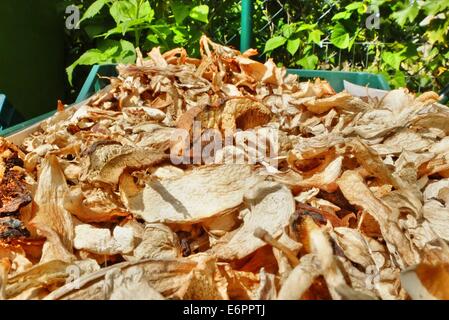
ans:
(246, 25)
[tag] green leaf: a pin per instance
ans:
(345, 15)
(162, 31)
(306, 26)
(93, 10)
(308, 62)
(409, 13)
(145, 11)
(90, 57)
(356, 6)
(180, 11)
(181, 35)
(293, 46)
(153, 38)
(315, 36)
(274, 43)
(127, 53)
(106, 44)
(393, 59)
(124, 27)
(354, 38)
(434, 7)
(437, 35)
(200, 13)
(122, 11)
(109, 51)
(398, 80)
(339, 36)
(288, 30)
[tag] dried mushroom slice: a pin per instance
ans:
(93, 204)
(200, 194)
(244, 113)
(108, 160)
(427, 281)
(49, 201)
(165, 276)
(271, 207)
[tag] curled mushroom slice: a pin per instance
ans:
(243, 113)
(108, 160)
(340, 100)
(158, 242)
(93, 204)
(301, 278)
(144, 113)
(355, 190)
(45, 275)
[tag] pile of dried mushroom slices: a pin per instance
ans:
(356, 206)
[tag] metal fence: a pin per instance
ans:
(360, 56)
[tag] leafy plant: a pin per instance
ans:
(407, 52)
(409, 48)
(117, 27)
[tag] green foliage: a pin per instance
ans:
(410, 47)
(274, 43)
(115, 27)
(200, 13)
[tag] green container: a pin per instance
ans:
(32, 55)
(335, 78)
(94, 83)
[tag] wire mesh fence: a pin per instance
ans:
(269, 15)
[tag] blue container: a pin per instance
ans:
(8, 115)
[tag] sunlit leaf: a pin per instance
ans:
(408, 13)
(180, 11)
(293, 46)
(200, 13)
(288, 30)
(437, 35)
(122, 11)
(345, 15)
(340, 37)
(274, 43)
(393, 59)
(315, 36)
(308, 62)
(93, 9)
